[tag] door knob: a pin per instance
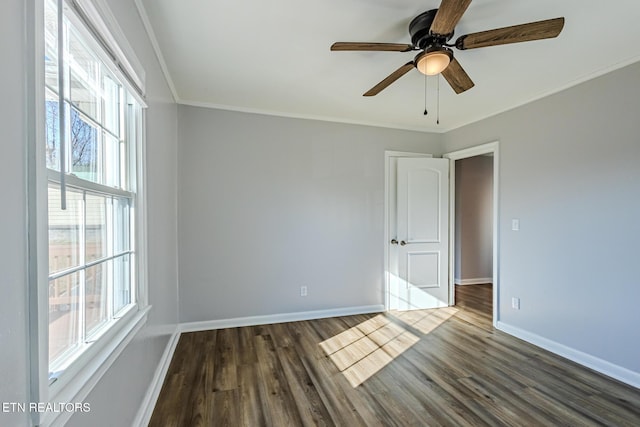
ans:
(394, 242)
(402, 243)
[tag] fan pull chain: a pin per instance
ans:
(425, 95)
(438, 104)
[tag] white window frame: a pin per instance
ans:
(82, 375)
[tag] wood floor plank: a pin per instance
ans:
(168, 412)
(275, 392)
(445, 394)
(198, 395)
(310, 406)
(443, 367)
(227, 343)
(560, 411)
(334, 390)
(250, 402)
(246, 354)
(421, 398)
(225, 408)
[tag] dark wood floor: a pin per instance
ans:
(419, 368)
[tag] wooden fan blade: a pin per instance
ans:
(382, 47)
(449, 13)
(457, 78)
(390, 79)
(546, 29)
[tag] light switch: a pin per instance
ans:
(515, 224)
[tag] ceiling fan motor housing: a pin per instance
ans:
(420, 31)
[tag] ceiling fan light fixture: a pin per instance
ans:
(434, 60)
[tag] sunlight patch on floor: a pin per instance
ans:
(424, 321)
(363, 350)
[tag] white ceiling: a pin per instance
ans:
(273, 57)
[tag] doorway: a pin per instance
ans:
(473, 260)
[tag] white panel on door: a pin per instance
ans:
(423, 222)
(423, 269)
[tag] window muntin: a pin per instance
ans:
(52, 124)
(91, 243)
(85, 149)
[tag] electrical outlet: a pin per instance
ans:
(515, 303)
(303, 291)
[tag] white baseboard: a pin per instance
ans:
(278, 318)
(607, 368)
(475, 281)
(149, 402)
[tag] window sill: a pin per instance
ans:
(76, 388)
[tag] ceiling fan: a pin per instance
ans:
(430, 33)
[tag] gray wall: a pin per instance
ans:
(474, 218)
(268, 204)
(117, 397)
(569, 171)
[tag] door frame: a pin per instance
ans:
(478, 150)
(388, 155)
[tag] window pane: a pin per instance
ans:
(111, 90)
(121, 214)
(84, 69)
(51, 45)
(64, 315)
(122, 282)
(64, 230)
(86, 151)
(52, 136)
(96, 282)
(112, 160)
(83, 98)
(96, 230)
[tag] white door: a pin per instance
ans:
(419, 251)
